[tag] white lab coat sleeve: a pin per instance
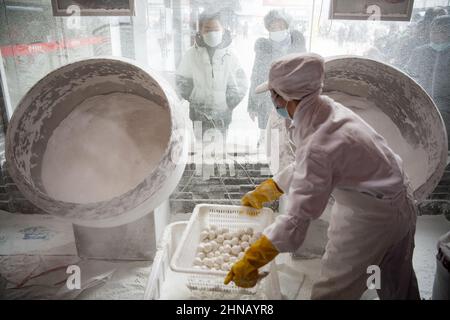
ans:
(284, 177)
(311, 186)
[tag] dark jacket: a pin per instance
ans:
(431, 69)
(266, 51)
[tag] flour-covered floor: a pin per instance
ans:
(27, 273)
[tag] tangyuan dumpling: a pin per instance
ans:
(201, 255)
(244, 245)
(204, 235)
(207, 247)
(220, 238)
(245, 237)
(227, 248)
(212, 235)
(214, 245)
(226, 257)
(236, 250)
(227, 236)
(198, 262)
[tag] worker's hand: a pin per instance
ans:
(244, 273)
(265, 192)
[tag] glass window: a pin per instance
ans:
(218, 82)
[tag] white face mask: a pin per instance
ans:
(213, 38)
(279, 36)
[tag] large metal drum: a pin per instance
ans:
(56, 97)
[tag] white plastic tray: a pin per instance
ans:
(162, 277)
(205, 215)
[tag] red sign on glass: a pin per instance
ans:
(43, 47)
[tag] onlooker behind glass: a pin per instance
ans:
(424, 26)
(210, 76)
(430, 66)
(281, 41)
(417, 36)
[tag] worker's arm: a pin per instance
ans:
(269, 190)
(310, 188)
(283, 178)
(184, 87)
(184, 77)
(237, 85)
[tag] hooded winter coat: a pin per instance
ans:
(267, 51)
(212, 80)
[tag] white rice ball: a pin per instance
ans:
(245, 237)
(214, 245)
(220, 238)
(210, 254)
(201, 255)
(249, 231)
(227, 242)
(217, 253)
(198, 262)
(227, 248)
(226, 257)
(221, 249)
(236, 250)
(235, 235)
(204, 235)
(208, 262)
(212, 235)
(219, 260)
(233, 260)
(241, 255)
(207, 247)
(227, 236)
(235, 241)
(244, 245)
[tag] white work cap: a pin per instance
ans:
(295, 76)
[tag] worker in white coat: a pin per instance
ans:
(373, 219)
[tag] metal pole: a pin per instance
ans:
(312, 25)
(178, 31)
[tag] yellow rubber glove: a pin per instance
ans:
(244, 272)
(265, 192)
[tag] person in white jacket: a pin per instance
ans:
(337, 153)
(210, 77)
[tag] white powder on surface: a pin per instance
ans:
(415, 160)
(104, 148)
